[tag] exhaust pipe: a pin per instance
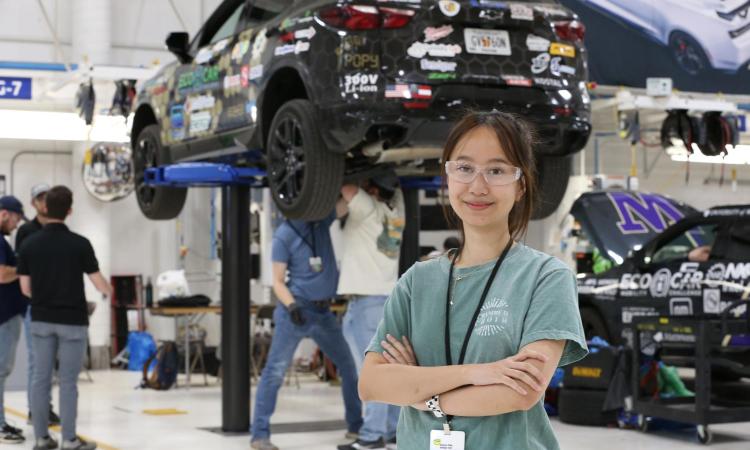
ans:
(401, 154)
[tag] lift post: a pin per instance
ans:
(235, 186)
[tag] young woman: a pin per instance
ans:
(470, 340)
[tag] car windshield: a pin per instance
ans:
(700, 237)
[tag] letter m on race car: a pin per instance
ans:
(639, 212)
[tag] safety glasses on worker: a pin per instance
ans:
(496, 174)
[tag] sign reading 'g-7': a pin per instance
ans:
(639, 211)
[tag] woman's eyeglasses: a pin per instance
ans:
(498, 174)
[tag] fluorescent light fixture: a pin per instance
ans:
(61, 126)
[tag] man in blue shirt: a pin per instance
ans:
(304, 250)
(12, 309)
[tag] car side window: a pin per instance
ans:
(264, 10)
(228, 27)
(692, 245)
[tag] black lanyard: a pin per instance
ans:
(448, 357)
(312, 233)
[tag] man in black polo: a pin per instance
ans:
(38, 193)
(51, 266)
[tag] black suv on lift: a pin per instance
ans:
(321, 91)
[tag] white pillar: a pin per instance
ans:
(91, 41)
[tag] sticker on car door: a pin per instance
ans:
(487, 42)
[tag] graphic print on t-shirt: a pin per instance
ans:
(389, 241)
(493, 318)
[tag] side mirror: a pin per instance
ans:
(178, 43)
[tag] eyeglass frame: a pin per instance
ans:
(518, 174)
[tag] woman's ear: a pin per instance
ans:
(521, 189)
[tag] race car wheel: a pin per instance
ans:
(553, 173)
(156, 202)
(688, 53)
(593, 325)
(305, 178)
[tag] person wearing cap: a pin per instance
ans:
(51, 265)
(12, 309)
(38, 193)
(369, 271)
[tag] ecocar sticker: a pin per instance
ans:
(449, 7)
(521, 12)
(439, 66)
(420, 49)
(539, 63)
(556, 67)
(537, 43)
(432, 34)
(557, 48)
(360, 82)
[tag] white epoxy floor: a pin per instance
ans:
(111, 413)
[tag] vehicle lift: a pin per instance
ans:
(235, 184)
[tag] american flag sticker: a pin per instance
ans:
(397, 91)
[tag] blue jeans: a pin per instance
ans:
(363, 315)
(10, 332)
(51, 342)
(29, 353)
(321, 325)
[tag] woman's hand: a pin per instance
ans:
(510, 371)
(399, 352)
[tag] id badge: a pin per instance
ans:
(316, 263)
(440, 440)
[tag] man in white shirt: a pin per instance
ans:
(369, 271)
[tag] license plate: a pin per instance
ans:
(487, 42)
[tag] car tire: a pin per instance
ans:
(305, 178)
(156, 202)
(688, 53)
(593, 324)
(553, 173)
(584, 407)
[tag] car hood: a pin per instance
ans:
(617, 222)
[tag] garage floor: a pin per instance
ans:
(111, 413)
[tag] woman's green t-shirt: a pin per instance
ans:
(533, 298)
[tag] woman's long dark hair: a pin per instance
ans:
(516, 139)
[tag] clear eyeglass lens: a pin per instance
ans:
(496, 174)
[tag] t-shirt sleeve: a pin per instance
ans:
(553, 314)
(90, 263)
(280, 251)
(361, 206)
(397, 313)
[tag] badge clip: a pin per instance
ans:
(446, 428)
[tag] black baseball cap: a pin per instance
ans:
(12, 204)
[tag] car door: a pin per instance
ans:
(197, 104)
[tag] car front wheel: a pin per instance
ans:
(305, 177)
(156, 202)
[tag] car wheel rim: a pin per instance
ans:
(145, 158)
(287, 159)
(687, 55)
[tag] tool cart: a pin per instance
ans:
(709, 344)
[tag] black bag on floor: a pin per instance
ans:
(164, 374)
(592, 372)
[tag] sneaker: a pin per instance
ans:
(77, 444)
(45, 443)
(361, 445)
(263, 444)
(390, 444)
(11, 435)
